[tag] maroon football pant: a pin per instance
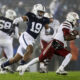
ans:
(48, 51)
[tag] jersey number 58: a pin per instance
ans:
(5, 25)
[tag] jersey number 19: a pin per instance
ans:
(36, 27)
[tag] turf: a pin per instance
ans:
(41, 76)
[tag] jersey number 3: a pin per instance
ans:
(36, 27)
(5, 25)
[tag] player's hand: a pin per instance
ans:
(75, 32)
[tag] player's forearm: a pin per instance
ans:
(70, 37)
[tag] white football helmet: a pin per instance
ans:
(48, 15)
(38, 7)
(11, 14)
(72, 17)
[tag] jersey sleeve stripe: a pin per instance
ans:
(66, 25)
(66, 31)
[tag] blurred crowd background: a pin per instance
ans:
(59, 9)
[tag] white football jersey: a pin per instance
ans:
(54, 25)
(60, 35)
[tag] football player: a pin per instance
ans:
(65, 32)
(35, 22)
(7, 31)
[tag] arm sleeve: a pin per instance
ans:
(46, 21)
(29, 15)
(66, 31)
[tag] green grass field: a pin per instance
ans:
(41, 76)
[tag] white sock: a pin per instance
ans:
(35, 60)
(65, 61)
